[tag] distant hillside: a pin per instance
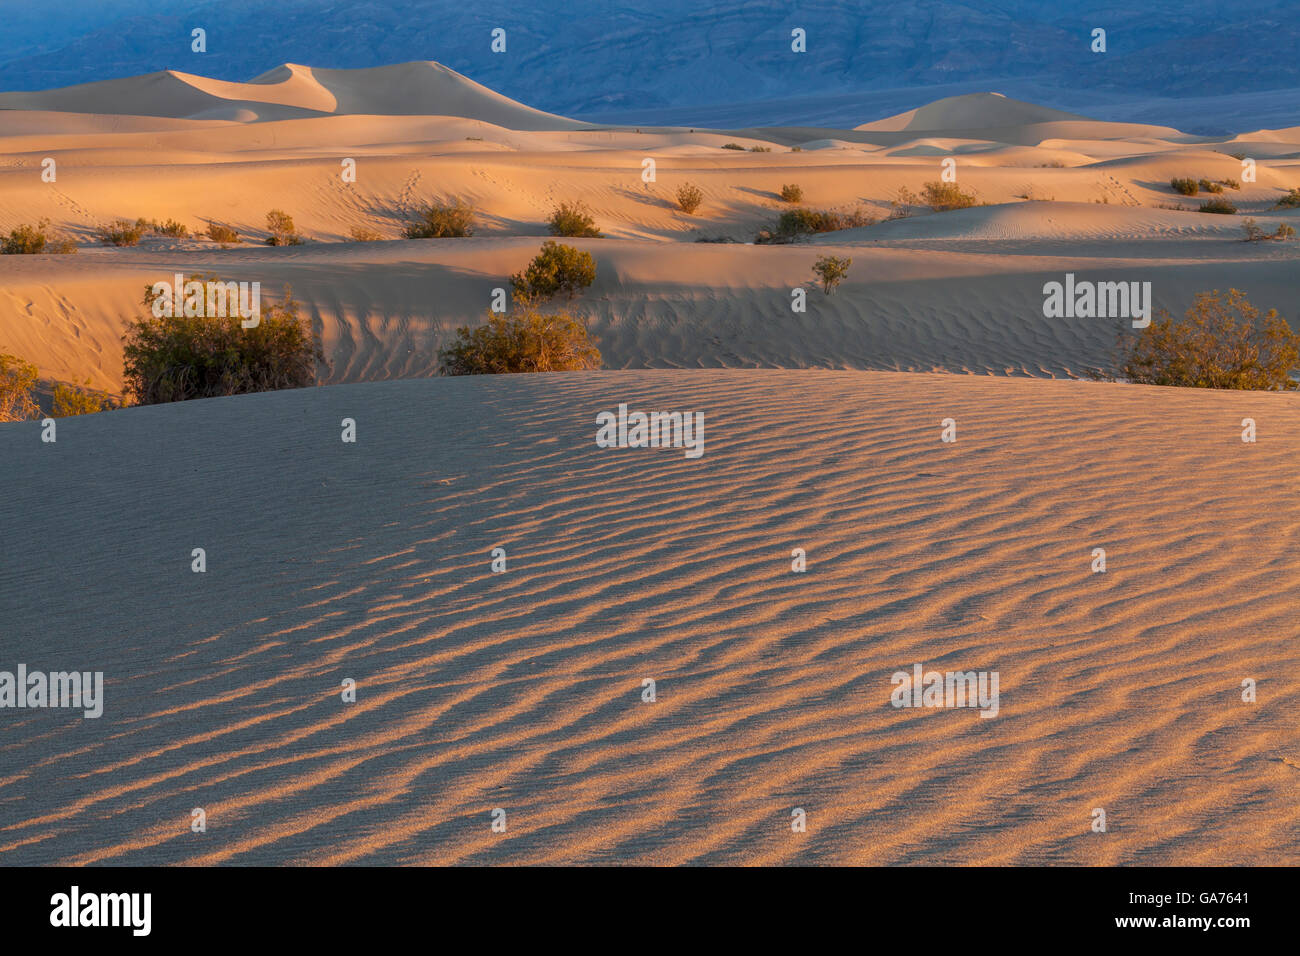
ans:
(579, 57)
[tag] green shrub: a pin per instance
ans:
(1219, 205)
(689, 198)
(831, 270)
(1210, 187)
(557, 269)
(17, 379)
(122, 232)
(280, 226)
(176, 358)
(69, 400)
(453, 220)
(1185, 187)
(1222, 343)
(222, 234)
(527, 341)
(733, 146)
(573, 221)
(792, 193)
(801, 222)
(1290, 201)
(942, 197)
(34, 240)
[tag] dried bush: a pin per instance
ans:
(689, 198)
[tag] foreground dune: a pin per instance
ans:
(522, 690)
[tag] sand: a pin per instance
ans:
(523, 690)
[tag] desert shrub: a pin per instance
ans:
(176, 358)
(122, 232)
(453, 220)
(1210, 187)
(222, 234)
(1185, 187)
(17, 379)
(689, 197)
(801, 222)
(831, 270)
(760, 149)
(1223, 342)
(796, 149)
(70, 400)
(1219, 205)
(573, 221)
(526, 341)
(280, 226)
(1290, 201)
(1230, 183)
(170, 228)
(733, 146)
(900, 207)
(792, 193)
(360, 234)
(1255, 234)
(557, 269)
(942, 197)
(34, 240)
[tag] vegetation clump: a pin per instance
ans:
(830, 270)
(280, 226)
(556, 270)
(526, 341)
(17, 382)
(1223, 342)
(942, 197)
(689, 198)
(572, 220)
(34, 240)
(454, 220)
(173, 358)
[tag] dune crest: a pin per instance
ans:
(292, 91)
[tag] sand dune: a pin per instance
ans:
(957, 291)
(522, 690)
(292, 91)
